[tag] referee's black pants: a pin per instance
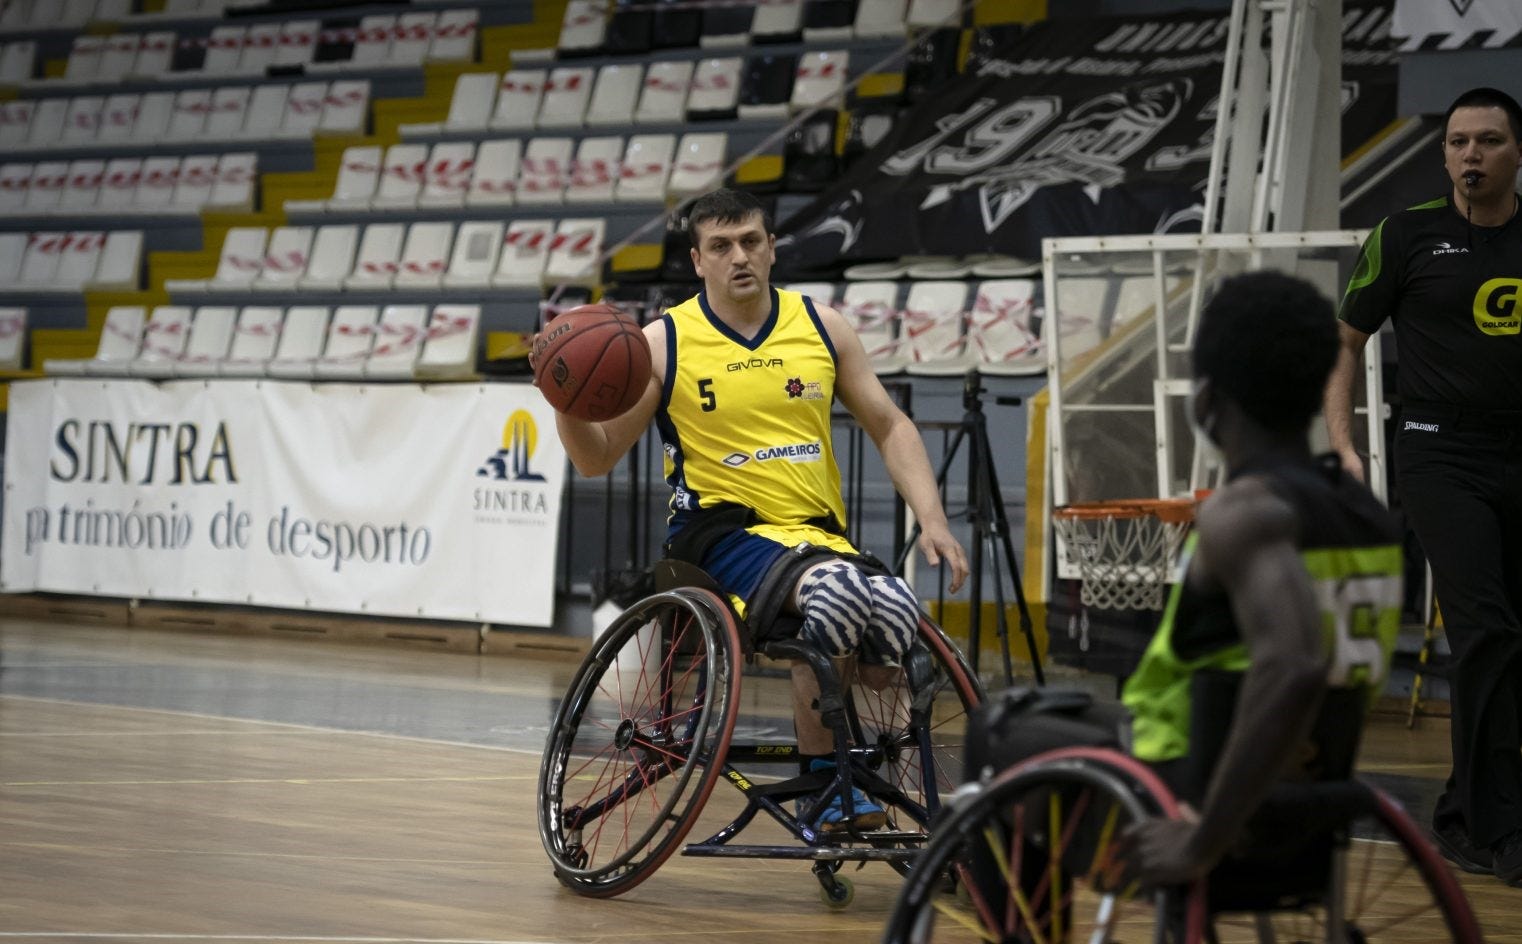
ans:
(1460, 479)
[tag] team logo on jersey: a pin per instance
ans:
(792, 452)
(1448, 249)
(1495, 307)
(797, 389)
(735, 459)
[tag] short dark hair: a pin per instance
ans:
(1487, 97)
(725, 206)
(1267, 342)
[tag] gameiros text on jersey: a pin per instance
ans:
(792, 452)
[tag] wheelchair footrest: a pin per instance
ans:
(817, 853)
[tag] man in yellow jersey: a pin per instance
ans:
(1291, 578)
(744, 378)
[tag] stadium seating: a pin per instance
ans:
(285, 259)
(333, 250)
(351, 334)
(474, 259)
(933, 328)
(872, 308)
(425, 256)
(645, 168)
(12, 337)
(1002, 328)
(399, 335)
(121, 338)
(375, 263)
(254, 341)
(211, 335)
(301, 341)
(494, 181)
(164, 338)
(525, 250)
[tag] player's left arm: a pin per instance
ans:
(897, 439)
(1247, 545)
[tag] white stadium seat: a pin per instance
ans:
(872, 309)
(155, 53)
(12, 337)
(224, 47)
(935, 315)
(566, 94)
(47, 122)
(594, 172)
(155, 186)
(229, 109)
(446, 176)
(241, 260)
(425, 256)
(121, 262)
(303, 109)
(45, 190)
(332, 258)
(614, 95)
(118, 186)
(399, 338)
(476, 247)
(699, 164)
(17, 60)
(715, 87)
(1002, 329)
(15, 180)
(820, 80)
(575, 253)
(84, 59)
(121, 337)
(301, 338)
(401, 176)
(254, 341)
(645, 168)
(118, 116)
(77, 261)
(15, 122)
(518, 100)
(164, 340)
(82, 121)
(198, 175)
(236, 175)
(40, 264)
(298, 40)
(583, 26)
(285, 259)
(454, 36)
(188, 120)
(154, 113)
(525, 250)
(211, 334)
(822, 293)
(449, 350)
(880, 18)
(81, 190)
(346, 108)
(934, 13)
(410, 42)
(266, 112)
(259, 47)
(495, 180)
(546, 167)
(663, 98)
(777, 18)
(359, 170)
(351, 334)
(12, 252)
(375, 263)
(470, 107)
(372, 43)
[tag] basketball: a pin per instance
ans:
(592, 362)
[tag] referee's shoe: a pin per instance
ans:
(1455, 845)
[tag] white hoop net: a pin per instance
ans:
(1125, 558)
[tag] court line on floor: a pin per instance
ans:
(128, 936)
(320, 729)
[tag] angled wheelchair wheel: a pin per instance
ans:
(639, 741)
(1385, 882)
(1033, 856)
(915, 720)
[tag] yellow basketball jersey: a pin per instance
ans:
(748, 421)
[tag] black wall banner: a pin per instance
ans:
(1073, 128)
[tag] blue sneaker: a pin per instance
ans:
(865, 815)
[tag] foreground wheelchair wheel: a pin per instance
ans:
(916, 719)
(1385, 883)
(1035, 857)
(639, 741)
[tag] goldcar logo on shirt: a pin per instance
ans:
(1495, 307)
(792, 452)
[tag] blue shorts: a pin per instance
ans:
(738, 561)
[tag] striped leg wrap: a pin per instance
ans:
(895, 618)
(836, 600)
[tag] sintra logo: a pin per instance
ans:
(1495, 307)
(520, 437)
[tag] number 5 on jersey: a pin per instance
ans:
(705, 394)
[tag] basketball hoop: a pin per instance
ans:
(1124, 551)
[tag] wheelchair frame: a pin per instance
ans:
(987, 818)
(677, 728)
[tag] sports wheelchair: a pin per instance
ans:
(649, 726)
(1036, 854)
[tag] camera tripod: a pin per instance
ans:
(990, 529)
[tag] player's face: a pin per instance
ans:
(734, 260)
(1480, 140)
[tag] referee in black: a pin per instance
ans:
(1449, 273)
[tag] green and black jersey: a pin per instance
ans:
(1350, 545)
(1453, 290)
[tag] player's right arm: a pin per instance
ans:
(1337, 400)
(595, 448)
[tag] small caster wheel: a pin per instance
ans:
(838, 892)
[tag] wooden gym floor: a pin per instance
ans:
(179, 787)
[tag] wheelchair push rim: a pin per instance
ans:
(636, 745)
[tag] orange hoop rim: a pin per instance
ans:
(1166, 510)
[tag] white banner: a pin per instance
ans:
(1452, 24)
(440, 501)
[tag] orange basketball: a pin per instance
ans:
(592, 362)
